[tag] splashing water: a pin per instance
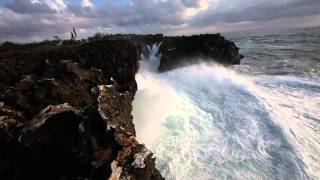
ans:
(209, 122)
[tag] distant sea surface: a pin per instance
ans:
(285, 52)
(257, 120)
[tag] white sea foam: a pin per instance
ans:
(209, 122)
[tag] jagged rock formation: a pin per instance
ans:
(186, 50)
(65, 113)
(65, 109)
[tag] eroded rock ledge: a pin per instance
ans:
(188, 50)
(65, 109)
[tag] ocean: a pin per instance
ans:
(256, 120)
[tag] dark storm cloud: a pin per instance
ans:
(21, 19)
(261, 11)
(138, 12)
(142, 12)
(26, 7)
(191, 3)
(17, 27)
(37, 26)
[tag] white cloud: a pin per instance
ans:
(56, 4)
(35, 2)
(86, 3)
(191, 11)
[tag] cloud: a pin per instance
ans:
(39, 19)
(257, 11)
(191, 3)
(29, 7)
(58, 5)
(193, 10)
(87, 4)
(141, 12)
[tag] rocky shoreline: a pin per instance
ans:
(65, 108)
(186, 50)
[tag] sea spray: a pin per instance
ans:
(209, 122)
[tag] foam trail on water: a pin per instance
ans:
(294, 103)
(209, 122)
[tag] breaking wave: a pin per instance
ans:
(210, 122)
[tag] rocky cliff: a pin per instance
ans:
(65, 108)
(187, 50)
(65, 112)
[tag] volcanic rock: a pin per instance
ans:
(188, 50)
(65, 111)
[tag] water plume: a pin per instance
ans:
(210, 122)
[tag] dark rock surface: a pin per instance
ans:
(65, 109)
(65, 112)
(186, 50)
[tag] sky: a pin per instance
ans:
(36, 20)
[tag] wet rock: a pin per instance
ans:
(116, 108)
(134, 162)
(188, 50)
